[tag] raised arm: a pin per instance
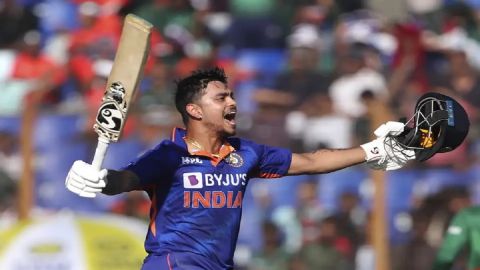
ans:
(120, 181)
(85, 180)
(382, 153)
(325, 160)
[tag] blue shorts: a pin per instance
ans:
(177, 261)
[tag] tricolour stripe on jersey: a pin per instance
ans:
(270, 175)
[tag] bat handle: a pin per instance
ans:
(100, 153)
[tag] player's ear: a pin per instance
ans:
(194, 111)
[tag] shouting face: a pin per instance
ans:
(216, 109)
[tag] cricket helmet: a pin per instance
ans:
(439, 124)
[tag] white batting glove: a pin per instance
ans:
(389, 128)
(85, 180)
(385, 153)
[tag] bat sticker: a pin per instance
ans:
(112, 112)
(116, 93)
(110, 117)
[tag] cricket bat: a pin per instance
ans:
(122, 83)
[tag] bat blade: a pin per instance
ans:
(122, 83)
(124, 77)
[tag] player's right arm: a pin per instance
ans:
(86, 181)
(455, 240)
(121, 181)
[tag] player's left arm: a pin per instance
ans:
(325, 160)
(383, 153)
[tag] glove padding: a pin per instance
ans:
(385, 153)
(84, 180)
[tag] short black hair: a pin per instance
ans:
(191, 88)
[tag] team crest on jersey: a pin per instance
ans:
(235, 160)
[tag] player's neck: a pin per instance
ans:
(204, 140)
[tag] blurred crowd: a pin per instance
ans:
(307, 74)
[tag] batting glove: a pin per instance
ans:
(385, 153)
(85, 180)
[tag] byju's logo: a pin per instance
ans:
(192, 180)
(191, 160)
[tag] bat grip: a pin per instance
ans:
(100, 153)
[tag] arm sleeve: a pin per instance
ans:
(274, 162)
(454, 241)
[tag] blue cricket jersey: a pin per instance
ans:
(197, 197)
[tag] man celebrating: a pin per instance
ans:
(196, 180)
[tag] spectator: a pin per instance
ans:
(272, 256)
(350, 220)
(159, 89)
(309, 211)
(96, 38)
(300, 221)
(155, 124)
(174, 19)
(8, 193)
(307, 127)
(301, 79)
(461, 234)
(10, 158)
(440, 207)
(354, 78)
(365, 255)
(32, 74)
(254, 24)
(293, 87)
(410, 58)
(461, 81)
(326, 251)
(418, 250)
(15, 21)
(10, 171)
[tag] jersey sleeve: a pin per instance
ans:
(274, 162)
(152, 166)
(454, 241)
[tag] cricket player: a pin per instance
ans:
(196, 180)
(463, 232)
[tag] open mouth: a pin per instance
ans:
(230, 117)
